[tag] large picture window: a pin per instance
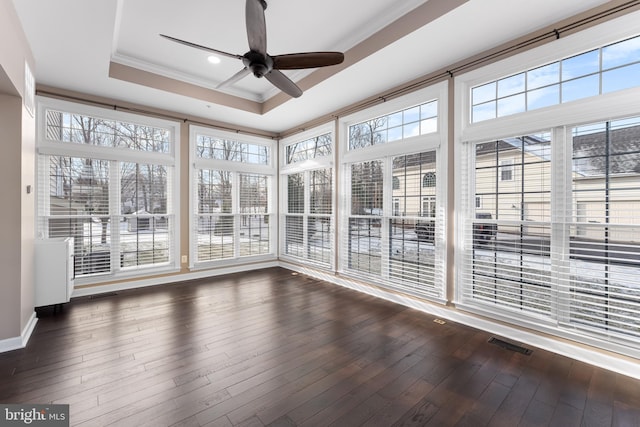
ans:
(107, 180)
(232, 197)
(554, 243)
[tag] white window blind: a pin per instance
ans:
(394, 225)
(215, 236)
(107, 180)
(308, 220)
(255, 235)
(232, 197)
(363, 238)
(307, 233)
(602, 287)
(508, 238)
(560, 242)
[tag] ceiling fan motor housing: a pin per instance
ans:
(258, 63)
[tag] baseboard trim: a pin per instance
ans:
(15, 343)
(615, 362)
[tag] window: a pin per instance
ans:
(607, 69)
(512, 271)
(232, 197)
(395, 184)
(553, 245)
(392, 228)
(603, 283)
(107, 180)
(318, 146)
(307, 178)
(414, 121)
(211, 147)
(429, 179)
(398, 245)
(506, 170)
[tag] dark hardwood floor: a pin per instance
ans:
(274, 348)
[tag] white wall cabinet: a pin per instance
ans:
(54, 271)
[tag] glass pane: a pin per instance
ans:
(622, 53)
(144, 240)
(295, 193)
(321, 191)
(371, 132)
(511, 85)
(394, 134)
(411, 115)
(254, 234)
(143, 189)
(429, 126)
(580, 88)
(215, 237)
(214, 191)
(483, 93)
(394, 119)
(82, 129)
(366, 188)
(412, 129)
(484, 111)
(410, 172)
(223, 149)
(606, 229)
(319, 239)
(511, 105)
(429, 110)
(581, 65)
(621, 78)
(543, 76)
(364, 245)
(254, 194)
(543, 97)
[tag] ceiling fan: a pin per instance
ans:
(260, 63)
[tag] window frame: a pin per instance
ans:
(46, 148)
(386, 152)
(236, 168)
(305, 167)
(558, 120)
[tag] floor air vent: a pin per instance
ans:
(510, 346)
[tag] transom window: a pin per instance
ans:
(311, 148)
(210, 147)
(610, 68)
(87, 129)
(419, 120)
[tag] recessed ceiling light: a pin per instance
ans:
(213, 59)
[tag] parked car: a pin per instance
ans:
(483, 232)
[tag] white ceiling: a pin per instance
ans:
(75, 41)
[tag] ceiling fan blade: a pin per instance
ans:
(256, 26)
(296, 61)
(283, 83)
(236, 77)
(197, 46)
